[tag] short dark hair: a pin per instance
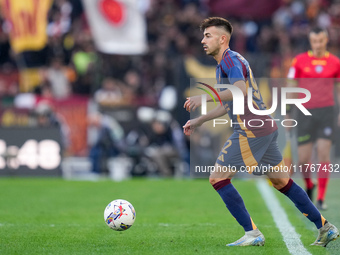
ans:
(318, 30)
(217, 22)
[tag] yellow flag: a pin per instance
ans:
(28, 22)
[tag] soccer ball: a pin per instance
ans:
(119, 215)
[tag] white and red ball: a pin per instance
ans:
(119, 215)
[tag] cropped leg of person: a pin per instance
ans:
(327, 231)
(305, 154)
(221, 181)
(323, 149)
(298, 196)
(95, 156)
(307, 130)
(282, 182)
(161, 156)
(325, 133)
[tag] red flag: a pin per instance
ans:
(118, 27)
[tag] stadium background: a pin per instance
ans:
(53, 64)
(59, 92)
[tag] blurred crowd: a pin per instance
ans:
(70, 65)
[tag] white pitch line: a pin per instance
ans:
(290, 237)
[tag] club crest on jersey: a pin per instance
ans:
(318, 69)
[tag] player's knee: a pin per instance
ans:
(279, 183)
(219, 181)
(213, 181)
(324, 157)
(303, 159)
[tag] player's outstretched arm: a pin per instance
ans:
(190, 126)
(195, 101)
(226, 95)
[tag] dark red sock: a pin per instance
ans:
(306, 175)
(323, 177)
(221, 184)
(286, 188)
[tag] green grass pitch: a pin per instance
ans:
(53, 216)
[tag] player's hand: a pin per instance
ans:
(192, 103)
(190, 126)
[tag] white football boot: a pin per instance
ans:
(326, 234)
(251, 238)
